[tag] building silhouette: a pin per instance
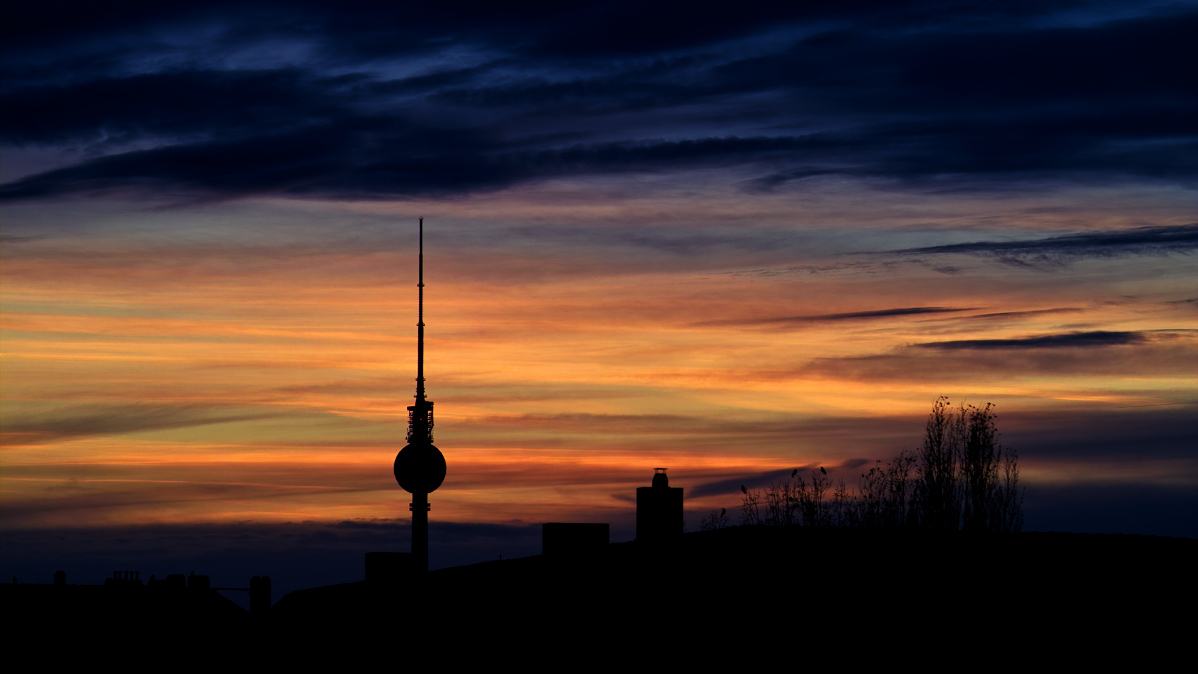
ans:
(658, 509)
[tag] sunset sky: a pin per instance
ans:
(726, 239)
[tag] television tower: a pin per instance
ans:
(420, 467)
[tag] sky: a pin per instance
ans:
(726, 240)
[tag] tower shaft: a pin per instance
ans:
(420, 507)
(420, 425)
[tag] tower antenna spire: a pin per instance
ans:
(420, 324)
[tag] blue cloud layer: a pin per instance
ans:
(368, 100)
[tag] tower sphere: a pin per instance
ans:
(420, 468)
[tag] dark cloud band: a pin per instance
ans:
(861, 89)
(847, 316)
(1070, 340)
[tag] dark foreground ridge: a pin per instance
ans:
(774, 585)
(767, 573)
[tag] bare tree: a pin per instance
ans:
(815, 511)
(963, 479)
(782, 501)
(1010, 502)
(842, 509)
(936, 491)
(979, 468)
(885, 494)
(750, 507)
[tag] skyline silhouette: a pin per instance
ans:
(735, 244)
(942, 582)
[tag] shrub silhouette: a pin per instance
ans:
(960, 478)
(714, 520)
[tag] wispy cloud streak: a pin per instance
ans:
(1141, 241)
(847, 316)
(95, 420)
(1071, 340)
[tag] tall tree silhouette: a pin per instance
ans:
(937, 495)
